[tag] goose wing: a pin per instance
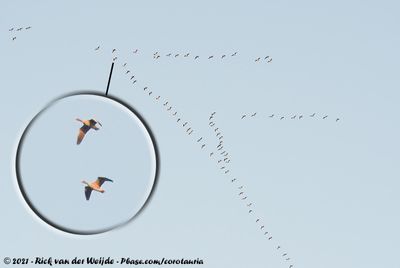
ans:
(88, 191)
(82, 132)
(101, 180)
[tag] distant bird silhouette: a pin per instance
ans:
(210, 57)
(272, 115)
(174, 113)
(257, 220)
(113, 50)
(87, 125)
(127, 72)
(243, 116)
(166, 103)
(158, 97)
(14, 38)
(234, 54)
(151, 92)
(196, 57)
(169, 55)
(211, 154)
(202, 146)
(115, 58)
(325, 117)
(266, 57)
(250, 211)
(278, 247)
(223, 56)
(199, 139)
(300, 117)
(176, 55)
(269, 238)
(269, 60)
(135, 51)
(132, 77)
(94, 186)
(258, 59)
(285, 254)
(312, 115)
(184, 125)
(282, 117)
(293, 117)
(337, 119)
(250, 204)
(134, 81)
(29, 27)
(123, 65)
(97, 48)
(10, 30)
(253, 114)
(19, 29)
(186, 55)
(233, 180)
(170, 107)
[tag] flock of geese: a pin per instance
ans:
(157, 55)
(17, 29)
(292, 117)
(219, 154)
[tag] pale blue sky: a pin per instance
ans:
(328, 192)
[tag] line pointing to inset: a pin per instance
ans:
(109, 78)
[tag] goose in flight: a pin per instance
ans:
(97, 48)
(87, 125)
(95, 186)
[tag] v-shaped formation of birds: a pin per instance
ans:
(86, 127)
(219, 154)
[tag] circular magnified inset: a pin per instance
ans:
(86, 164)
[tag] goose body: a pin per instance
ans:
(95, 186)
(87, 125)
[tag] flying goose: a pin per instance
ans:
(94, 186)
(87, 125)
